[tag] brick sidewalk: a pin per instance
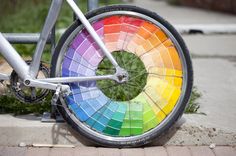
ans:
(149, 151)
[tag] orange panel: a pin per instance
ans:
(165, 57)
(154, 40)
(161, 35)
(175, 58)
(168, 43)
(149, 26)
(144, 33)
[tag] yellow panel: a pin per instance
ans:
(170, 80)
(165, 71)
(156, 109)
(178, 82)
(172, 101)
(174, 76)
(161, 116)
(178, 73)
(168, 91)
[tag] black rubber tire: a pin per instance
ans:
(181, 108)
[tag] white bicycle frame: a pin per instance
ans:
(28, 73)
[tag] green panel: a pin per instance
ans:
(125, 128)
(133, 121)
(149, 118)
(114, 125)
(136, 118)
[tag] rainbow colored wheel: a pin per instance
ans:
(159, 84)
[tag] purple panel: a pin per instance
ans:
(70, 53)
(88, 84)
(87, 64)
(67, 73)
(83, 47)
(74, 66)
(95, 60)
(89, 53)
(98, 25)
(78, 40)
(66, 63)
(85, 71)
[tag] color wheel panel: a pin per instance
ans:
(156, 100)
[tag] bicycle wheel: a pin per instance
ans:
(160, 76)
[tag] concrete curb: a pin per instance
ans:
(29, 130)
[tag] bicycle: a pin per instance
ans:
(121, 75)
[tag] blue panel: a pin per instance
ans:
(106, 116)
(71, 103)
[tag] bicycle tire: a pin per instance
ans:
(134, 135)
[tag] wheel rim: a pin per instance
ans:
(155, 78)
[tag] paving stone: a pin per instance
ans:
(132, 152)
(37, 152)
(224, 151)
(13, 151)
(178, 151)
(86, 151)
(61, 152)
(155, 151)
(201, 151)
(109, 152)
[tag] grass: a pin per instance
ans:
(128, 90)
(8, 104)
(193, 103)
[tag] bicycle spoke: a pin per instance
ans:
(133, 71)
(154, 102)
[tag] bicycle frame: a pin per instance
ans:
(28, 73)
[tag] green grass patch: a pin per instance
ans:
(8, 104)
(127, 90)
(193, 105)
